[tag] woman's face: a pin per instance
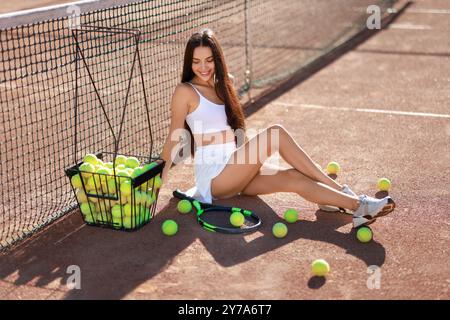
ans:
(203, 63)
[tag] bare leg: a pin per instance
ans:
(247, 160)
(299, 159)
(291, 180)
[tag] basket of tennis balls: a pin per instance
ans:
(116, 191)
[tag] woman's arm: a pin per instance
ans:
(179, 109)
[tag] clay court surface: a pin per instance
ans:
(381, 109)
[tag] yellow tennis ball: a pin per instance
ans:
(123, 199)
(127, 210)
(138, 197)
(237, 219)
(120, 167)
(384, 184)
(120, 159)
(111, 185)
(87, 208)
(117, 222)
(169, 227)
(90, 158)
(108, 165)
(151, 197)
(333, 167)
(364, 234)
(157, 182)
(76, 181)
(81, 196)
(116, 211)
(125, 188)
(127, 222)
(320, 267)
(279, 230)
(132, 162)
(291, 215)
(86, 170)
(184, 206)
(137, 172)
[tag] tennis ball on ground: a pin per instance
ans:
(132, 162)
(90, 158)
(169, 227)
(279, 230)
(364, 234)
(333, 167)
(76, 181)
(184, 206)
(237, 219)
(291, 215)
(320, 267)
(384, 184)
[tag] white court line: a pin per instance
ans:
(69, 234)
(402, 113)
(435, 11)
(408, 26)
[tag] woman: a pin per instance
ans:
(226, 162)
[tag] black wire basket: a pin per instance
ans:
(117, 191)
(116, 198)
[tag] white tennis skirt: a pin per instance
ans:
(209, 162)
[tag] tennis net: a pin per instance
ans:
(265, 41)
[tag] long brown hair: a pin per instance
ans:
(223, 84)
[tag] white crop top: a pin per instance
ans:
(209, 117)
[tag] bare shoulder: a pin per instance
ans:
(184, 94)
(184, 90)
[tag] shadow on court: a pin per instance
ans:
(115, 263)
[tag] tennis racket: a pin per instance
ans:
(217, 218)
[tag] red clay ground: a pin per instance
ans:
(403, 68)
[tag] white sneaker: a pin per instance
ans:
(345, 189)
(370, 209)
